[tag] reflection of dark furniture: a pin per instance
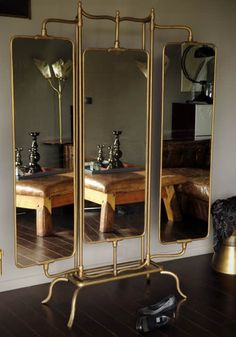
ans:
(65, 152)
(68, 156)
(190, 159)
(191, 121)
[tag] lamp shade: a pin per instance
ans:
(62, 69)
(43, 67)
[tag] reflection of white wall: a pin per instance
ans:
(172, 88)
(203, 121)
(118, 89)
(36, 104)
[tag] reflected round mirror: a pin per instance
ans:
(115, 119)
(188, 106)
(42, 74)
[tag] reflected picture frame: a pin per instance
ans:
(16, 8)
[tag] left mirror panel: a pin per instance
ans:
(43, 131)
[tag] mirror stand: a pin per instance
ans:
(145, 266)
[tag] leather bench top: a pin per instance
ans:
(169, 177)
(194, 181)
(197, 182)
(49, 186)
(116, 182)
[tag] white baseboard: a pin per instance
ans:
(21, 282)
(16, 283)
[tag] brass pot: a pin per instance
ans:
(224, 261)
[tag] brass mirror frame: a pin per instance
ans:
(162, 141)
(45, 38)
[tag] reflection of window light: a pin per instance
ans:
(205, 70)
(142, 67)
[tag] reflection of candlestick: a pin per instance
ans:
(61, 71)
(110, 158)
(100, 156)
(18, 162)
(117, 152)
(34, 157)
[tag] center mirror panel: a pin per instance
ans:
(43, 77)
(188, 106)
(115, 131)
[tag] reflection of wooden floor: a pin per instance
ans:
(189, 227)
(129, 221)
(34, 249)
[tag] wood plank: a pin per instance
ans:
(110, 309)
(62, 200)
(38, 321)
(27, 201)
(130, 198)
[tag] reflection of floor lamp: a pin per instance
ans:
(61, 72)
(202, 52)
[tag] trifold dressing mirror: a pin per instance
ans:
(43, 79)
(187, 114)
(101, 110)
(115, 125)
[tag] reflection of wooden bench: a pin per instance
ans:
(109, 190)
(43, 194)
(169, 180)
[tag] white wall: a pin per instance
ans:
(212, 21)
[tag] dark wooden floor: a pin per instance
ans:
(32, 249)
(110, 309)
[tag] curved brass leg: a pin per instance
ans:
(59, 279)
(73, 307)
(177, 281)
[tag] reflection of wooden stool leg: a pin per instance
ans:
(107, 213)
(171, 203)
(43, 221)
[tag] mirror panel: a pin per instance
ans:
(188, 106)
(42, 83)
(115, 119)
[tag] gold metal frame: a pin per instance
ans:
(145, 266)
(39, 37)
(187, 240)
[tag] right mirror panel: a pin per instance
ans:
(188, 100)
